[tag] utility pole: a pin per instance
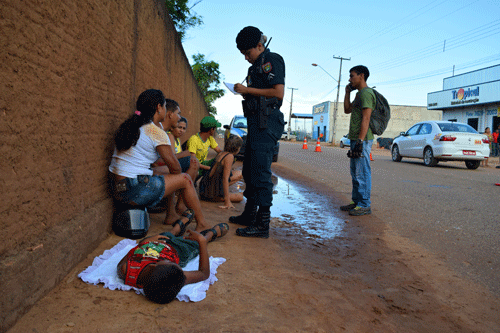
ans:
(337, 101)
(290, 115)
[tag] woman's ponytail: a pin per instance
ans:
(128, 133)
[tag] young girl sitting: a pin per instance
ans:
(214, 186)
(139, 141)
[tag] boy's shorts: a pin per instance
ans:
(187, 249)
(209, 163)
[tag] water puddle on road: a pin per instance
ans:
(311, 212)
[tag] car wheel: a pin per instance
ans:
(473, 165)
(275, 158)
(341, 144)
(396, 157)
(429, 159)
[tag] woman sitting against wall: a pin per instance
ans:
(140, 142)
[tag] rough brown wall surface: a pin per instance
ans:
(71, 72)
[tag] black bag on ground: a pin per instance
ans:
(131, 223)
(381, 115)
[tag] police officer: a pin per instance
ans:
(263, 97)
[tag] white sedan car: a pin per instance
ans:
(435, 141)
(345, 142)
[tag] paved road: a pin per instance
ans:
(450, 210)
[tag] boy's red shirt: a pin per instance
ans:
(144, 254)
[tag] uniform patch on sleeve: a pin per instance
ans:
(267, 67)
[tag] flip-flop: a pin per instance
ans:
(189, 214)
(224, 228)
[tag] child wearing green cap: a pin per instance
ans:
(199, 143)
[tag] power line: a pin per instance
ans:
(468, 37)
(420, 27)
(442, 71)
(394, 26)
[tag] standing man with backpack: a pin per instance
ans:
(361, 137)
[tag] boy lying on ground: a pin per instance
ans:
(155, 263)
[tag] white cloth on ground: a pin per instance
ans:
(103, 270)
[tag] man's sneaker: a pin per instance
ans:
(348, 207)
(358, 211)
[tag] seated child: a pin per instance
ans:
(184, 157)
(189, 164)
(199, 143)
(214, 185)
(155, 263)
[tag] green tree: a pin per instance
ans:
(208, 76)
(182, 16)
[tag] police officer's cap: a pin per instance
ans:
(248, 38)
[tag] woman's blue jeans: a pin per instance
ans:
(361, 174)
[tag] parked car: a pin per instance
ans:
(436, 141)
(285, 136)
(345, 142)
(238, 126)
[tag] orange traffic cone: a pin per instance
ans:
(318, 146)
(304, 146)
(371, 158)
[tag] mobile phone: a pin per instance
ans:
(351, 87)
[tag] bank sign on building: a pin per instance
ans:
(472, 98)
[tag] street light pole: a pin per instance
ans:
(316, 65)
(290, 115)
(337, 101)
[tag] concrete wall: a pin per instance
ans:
(71, 73)
(402, 118)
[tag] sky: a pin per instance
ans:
(408, 46)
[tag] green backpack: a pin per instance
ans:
(381, 115)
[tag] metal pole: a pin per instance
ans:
(290, 115)
(334, 125)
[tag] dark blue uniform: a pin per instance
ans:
(263, 134)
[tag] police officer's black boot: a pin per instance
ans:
(247, 218)
(261, 226)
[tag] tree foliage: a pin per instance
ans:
(182, 16)
(207, 73)
(208, 76)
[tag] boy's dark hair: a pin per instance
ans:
(204, 129)
(171, 105)
(233, 143)
(360, 69)
(164, 284)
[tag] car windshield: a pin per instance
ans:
(240, 123)
(454, 127)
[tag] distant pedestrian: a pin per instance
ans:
(487, 132)
(361, 138)
(496, 143)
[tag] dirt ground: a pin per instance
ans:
(367, 280)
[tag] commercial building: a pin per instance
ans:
(472, 98)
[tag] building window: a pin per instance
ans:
(496, 123)
(473, 122)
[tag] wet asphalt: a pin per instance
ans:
(450, 210)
